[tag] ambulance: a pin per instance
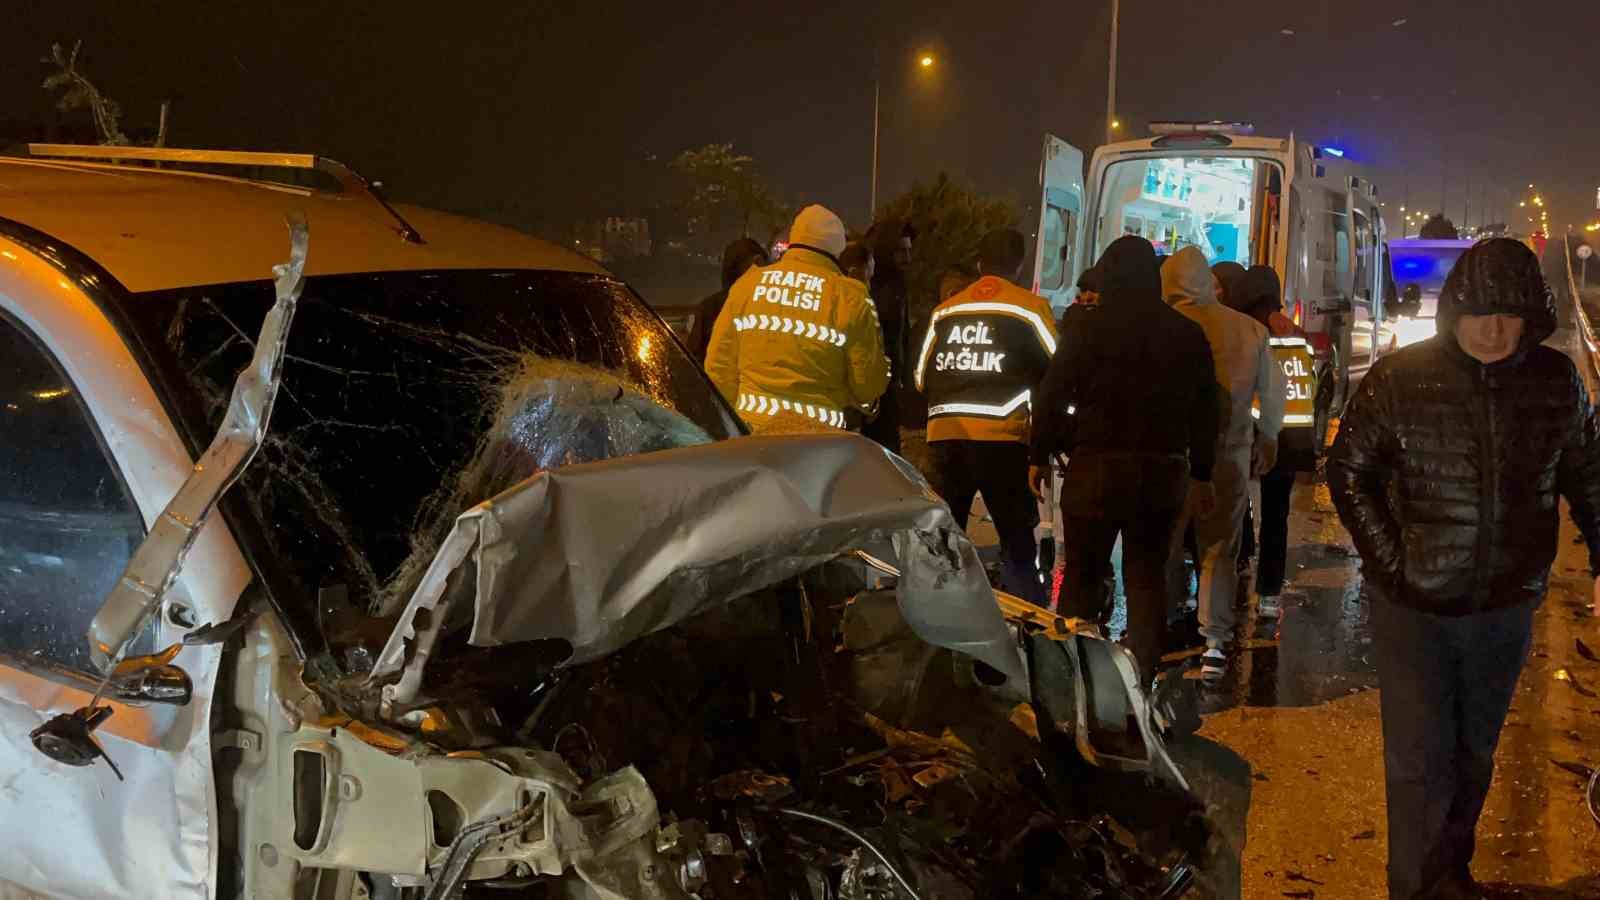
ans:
(1311, 214)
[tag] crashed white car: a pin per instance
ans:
(392, 554)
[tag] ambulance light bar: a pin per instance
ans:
(1240, 129)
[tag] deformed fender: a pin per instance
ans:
(602, 554)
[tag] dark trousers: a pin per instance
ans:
(999, 471)
(1446, 686)
(885, 429)
(1276, 486)
(1140, 498)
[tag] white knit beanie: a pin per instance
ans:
(818, 227)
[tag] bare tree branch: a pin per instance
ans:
(81, 92)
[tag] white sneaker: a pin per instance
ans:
(1214, 662)
(1270, 607)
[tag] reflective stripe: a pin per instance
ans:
(975, 306)
(771, 406)
(1288, 418)
(982, 409)
(1286, 342)
(796, 327)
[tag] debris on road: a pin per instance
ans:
(1567, 676)
(1585, 652)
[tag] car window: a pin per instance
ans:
(67, 523)
(1058, 223)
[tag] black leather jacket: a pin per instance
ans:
(1447, 471)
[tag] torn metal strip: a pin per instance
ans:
(154, 567)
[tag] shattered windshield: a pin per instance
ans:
(409, 397)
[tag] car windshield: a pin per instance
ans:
(407, 398)
(1210, 202)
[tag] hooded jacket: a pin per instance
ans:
(797, 347)
(1242, 362)
(1130, 375)
(1447, 471)
(892, 296)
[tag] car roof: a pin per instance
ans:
(156, 229)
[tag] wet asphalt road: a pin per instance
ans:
(1298, 717)
(1291, 756)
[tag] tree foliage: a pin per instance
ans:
(78, 92)
(1438, 228)
(950, 219)
(719, 195)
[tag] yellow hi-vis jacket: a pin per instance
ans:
(797, 347)
(985, 351)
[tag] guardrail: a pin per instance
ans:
(1591, 371)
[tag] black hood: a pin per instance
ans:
(1129, 273)
(1260, 293)
(1498, 277)
(737, 257)
(1231, 276)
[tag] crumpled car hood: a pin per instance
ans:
(602, 554)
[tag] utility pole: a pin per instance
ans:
(1111, 76)
(872, 210)
(1444, 190)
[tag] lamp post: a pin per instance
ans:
(924, 61)
(1111, 76)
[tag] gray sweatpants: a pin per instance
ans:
(1217, 539)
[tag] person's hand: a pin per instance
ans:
(1263, 457)
(1202, 499)
(1038, 476)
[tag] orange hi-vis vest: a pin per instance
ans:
(985, 350)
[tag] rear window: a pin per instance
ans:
(409, 397)
(1215, 203)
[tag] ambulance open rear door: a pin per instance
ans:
(1058, 247)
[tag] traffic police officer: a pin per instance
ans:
(985, 350)
(797, 346)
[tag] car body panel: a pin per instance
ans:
(164, 752)
(76, 240)
(154, 229)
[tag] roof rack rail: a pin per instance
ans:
(349, 179)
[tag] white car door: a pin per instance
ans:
(88, 459)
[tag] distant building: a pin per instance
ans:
(614, 237)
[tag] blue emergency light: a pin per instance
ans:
(1333, 151)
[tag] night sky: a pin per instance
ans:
(530, 113)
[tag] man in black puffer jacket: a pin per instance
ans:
(1447, 471)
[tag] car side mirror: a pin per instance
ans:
(69, 737)
(151, 679)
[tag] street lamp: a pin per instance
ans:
(1111, 76)
(926, 62)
